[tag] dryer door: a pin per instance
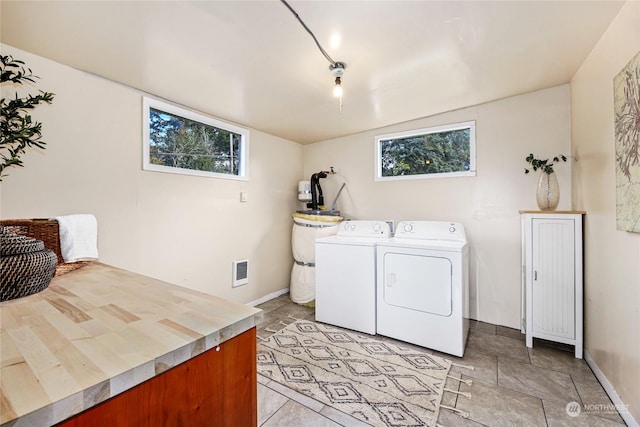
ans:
(418, 282)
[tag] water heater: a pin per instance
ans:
(304, 191)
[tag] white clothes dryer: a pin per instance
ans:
(423, 285)
(346, 275)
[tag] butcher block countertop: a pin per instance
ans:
(98, 331)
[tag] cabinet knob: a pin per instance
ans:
(535, 275)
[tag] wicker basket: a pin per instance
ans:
(46, 230)
(26, 267)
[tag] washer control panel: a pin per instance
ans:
(431, 230)
(364, 229)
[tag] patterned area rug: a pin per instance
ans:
(377, 382)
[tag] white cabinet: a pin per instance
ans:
(552, 276)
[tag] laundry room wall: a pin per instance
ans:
(182, 229)
(612, 257)
(487, 204)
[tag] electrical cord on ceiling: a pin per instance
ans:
(324, 52)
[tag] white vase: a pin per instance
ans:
(548, 194)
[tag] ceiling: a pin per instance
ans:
(251, 62)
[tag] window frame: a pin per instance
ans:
(183, 112)
(471, 125)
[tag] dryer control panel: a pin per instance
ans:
(431, 230)
(364, 229)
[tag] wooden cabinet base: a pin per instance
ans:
(216, 388)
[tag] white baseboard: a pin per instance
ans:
(268, 297)
(611, 391)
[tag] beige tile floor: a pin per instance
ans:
(511, 384)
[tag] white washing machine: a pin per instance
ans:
(423, 285)
(346, 275)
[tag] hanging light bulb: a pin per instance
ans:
(337, 89)
(337, 70)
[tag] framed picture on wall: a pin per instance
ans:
(626, 104)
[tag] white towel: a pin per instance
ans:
(78, 237)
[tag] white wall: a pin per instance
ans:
(182, 229)
(487, 204)
(612, 265)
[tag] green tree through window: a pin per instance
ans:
(192, 143)
(183, 143)
(427, 152)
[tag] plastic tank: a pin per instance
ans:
(306, 229)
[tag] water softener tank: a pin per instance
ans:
(306, 229)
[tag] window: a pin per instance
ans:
(443, 151)
(181, 141)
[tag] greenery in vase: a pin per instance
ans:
(546, 165)
(17, 130)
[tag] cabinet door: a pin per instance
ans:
(553, 287)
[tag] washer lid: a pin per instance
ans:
(352, 240)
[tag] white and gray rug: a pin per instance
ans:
(377, 382)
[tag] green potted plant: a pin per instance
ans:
(17, 129)
(548, 192)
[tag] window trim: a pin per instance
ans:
(471, 125)
(173, 109)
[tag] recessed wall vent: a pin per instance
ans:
(240, 272)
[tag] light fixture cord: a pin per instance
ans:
(324, 52)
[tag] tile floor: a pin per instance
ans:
(512, 385)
